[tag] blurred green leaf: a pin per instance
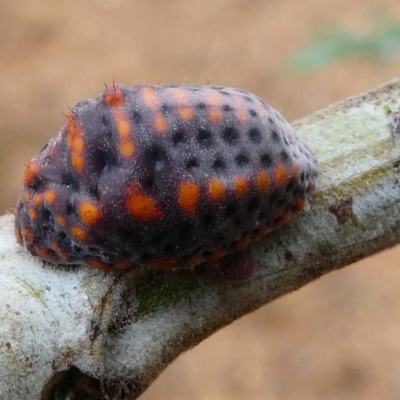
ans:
(333, 42)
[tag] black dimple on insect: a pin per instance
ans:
(255, 135)
(266, 160)
(248, 99)
(137, 117)
(252, 205)
(302, 177)
(224, 93)
(154, 156)
(69, 181)
(241, 160)
(61, 235)
(275, 136)
(230, 210)
(70, 208)
(37, 183)
(286, 140)
(201, 106)
(102, 159)
(169, 249)
(178, 137)
(185, 231)
(146, 257)
(158, 238)
(237, 221)
(148, 183)
(94, 192)
(204, 136)
(166, 109)
(271, 121)
(192, 163)
(128, 235)
(284, 156)
(227, 108)
(209, 220)
(105, 121)
(290, 186)
(230, 135)
(77, 249)
(262, 215)
(46, 214)
(218, 164)
(253, 113)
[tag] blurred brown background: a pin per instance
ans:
(338, 338)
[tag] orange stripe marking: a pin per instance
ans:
(240, 186)
(216, 190)
(141, 206)
(188, 196)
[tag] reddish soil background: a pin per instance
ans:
(338, 338)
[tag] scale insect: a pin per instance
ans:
(162, 177)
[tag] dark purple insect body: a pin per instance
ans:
(162, 177)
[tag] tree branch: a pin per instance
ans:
(66, 331)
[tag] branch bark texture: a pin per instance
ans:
(76, 331)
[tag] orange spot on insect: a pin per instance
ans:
(160, 124)
(185, 112)
(216, 190)
(150, 97)
(179, 95)
(215, 115)
(263, 181)
(26, 196)
(60, 220)
(126, 144)
(242, 243)
(296, 171)
(188, 196)
(32, 213)
(123, 263)
(49, 196)
(141, 206)
(213, 98)
(193, 260)
(122, 123)
(78, 233)
(240, 109)
(126, 148)
(27, 235)
(77, 144)
(298, 205)
(282, 219)
(262, 230)
(37, 199)
(31, 172)
(240, 186)
(43, 253)
(63, 254)
(113, 96)
(88, 212)
(77, 161)
(163, 263)
(281, 175)
(215, 255)
(262, 111)
(96, 263)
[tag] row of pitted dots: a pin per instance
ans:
(144, 208)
